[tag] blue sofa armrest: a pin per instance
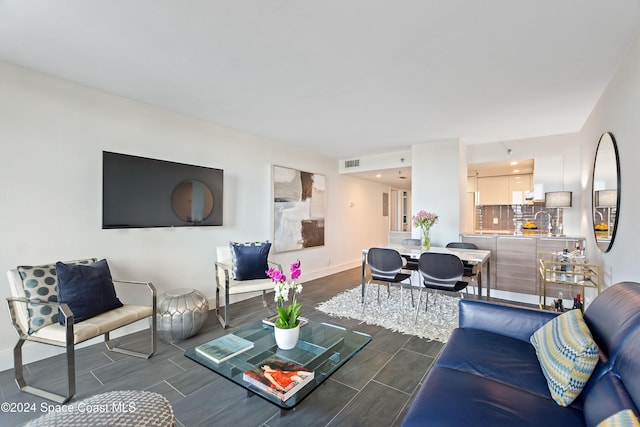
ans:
(508, 320)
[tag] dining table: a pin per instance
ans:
(479, 257)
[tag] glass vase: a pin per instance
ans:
(426, 240)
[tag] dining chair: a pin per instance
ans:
(385, 265)
(411, 263)
(473, 271)
(439, 272)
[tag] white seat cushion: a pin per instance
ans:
(242, 286)
(97, 325)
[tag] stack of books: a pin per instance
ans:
(279, 377)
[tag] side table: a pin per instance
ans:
(181, 313)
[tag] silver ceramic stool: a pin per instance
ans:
(181, 313)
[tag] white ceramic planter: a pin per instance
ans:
(286, 339)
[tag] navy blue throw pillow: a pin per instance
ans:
(250, 260)
(87, 289)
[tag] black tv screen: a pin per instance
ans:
(139, 192)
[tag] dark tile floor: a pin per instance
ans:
(372, 389)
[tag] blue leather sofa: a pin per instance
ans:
(488, 373)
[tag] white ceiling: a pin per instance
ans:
(343, 78)
(398, 178)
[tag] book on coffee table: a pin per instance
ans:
(279, 377)
(224, 348)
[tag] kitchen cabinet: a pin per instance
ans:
(515, 260)
(503, 190)
(519, 186)
(493, 190)
(516, 264)
(487, 243)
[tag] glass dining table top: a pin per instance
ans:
(322, 347)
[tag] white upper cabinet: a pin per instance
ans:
(493, 190)
(503, 190)
(519, 186)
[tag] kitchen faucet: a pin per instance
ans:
(548, 215)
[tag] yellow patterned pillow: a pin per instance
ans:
(624, 418)
(567, 355)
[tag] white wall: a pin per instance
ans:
(436, 187)
(52, 135)
(618, 112)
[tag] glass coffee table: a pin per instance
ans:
(322, 348)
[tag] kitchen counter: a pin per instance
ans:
(523, 233)
(515, 254)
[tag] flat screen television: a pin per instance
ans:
(138, 192)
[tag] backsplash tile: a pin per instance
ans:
(512, 217)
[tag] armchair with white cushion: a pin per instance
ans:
(241, 268)
(64, 304)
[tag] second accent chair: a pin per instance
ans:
(440, 272)
(385, 266)
(241, 268)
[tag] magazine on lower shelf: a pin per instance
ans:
(224, 348)
(279, 377)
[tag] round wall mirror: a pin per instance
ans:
(192, 201)
(606, 192)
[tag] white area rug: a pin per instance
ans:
(436, 324)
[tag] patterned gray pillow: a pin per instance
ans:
(40, 282)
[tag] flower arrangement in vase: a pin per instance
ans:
(425, 220)
(286, 326)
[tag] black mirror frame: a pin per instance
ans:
(593, 194)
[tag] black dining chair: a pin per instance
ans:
(411, 263)
(439, 272)
(472, 271)
(385, 265)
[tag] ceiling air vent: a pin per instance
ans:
(352, 163)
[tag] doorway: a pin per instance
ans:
(400, 210)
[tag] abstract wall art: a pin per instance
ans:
(299, 209)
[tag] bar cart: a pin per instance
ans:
(562, 270)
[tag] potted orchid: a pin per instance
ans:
(287, 315)
(425, 220)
